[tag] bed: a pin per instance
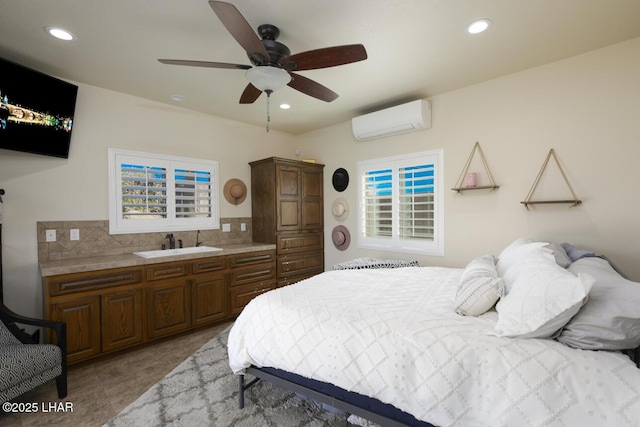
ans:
(540, 335)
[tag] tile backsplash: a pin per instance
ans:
(95, 239)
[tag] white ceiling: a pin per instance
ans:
(416, 48)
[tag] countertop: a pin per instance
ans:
(77, 265)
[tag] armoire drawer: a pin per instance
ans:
(299, 242)
(300, 264)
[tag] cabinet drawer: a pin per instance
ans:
(295, 279)
(300, 264)
(166, 271)
(78, 282)
(241, 295)
(298, 242)
(251, 258)
(260, 273)
(207, 265)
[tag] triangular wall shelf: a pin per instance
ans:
(459, 183)
(527, 201)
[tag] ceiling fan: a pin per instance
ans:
(274, 65)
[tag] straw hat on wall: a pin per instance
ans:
(235, 191)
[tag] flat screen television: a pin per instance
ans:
(36, 111)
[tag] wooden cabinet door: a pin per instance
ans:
(82, 316)
(168, 308)
(121, 319)
(209, 298)
(288, 197)
(311, 206)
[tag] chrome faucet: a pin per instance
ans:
(197, 238)
(172, 241)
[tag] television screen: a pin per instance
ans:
(36, 111)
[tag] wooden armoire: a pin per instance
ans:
(287, 210)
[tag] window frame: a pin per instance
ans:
(395, 243)
(172, 164)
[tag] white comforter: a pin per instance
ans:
(392, 334)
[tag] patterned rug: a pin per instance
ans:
(202, 391)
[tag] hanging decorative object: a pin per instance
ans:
(527, 201)
(235, 191)
(469, 180)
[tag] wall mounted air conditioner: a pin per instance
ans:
(409, 117)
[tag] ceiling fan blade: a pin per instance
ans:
(240, 29)
(205, 64)
(250, 94)
(311, 88)
(324, 58)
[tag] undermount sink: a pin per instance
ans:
(178, 251)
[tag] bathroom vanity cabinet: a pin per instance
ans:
(110, 309)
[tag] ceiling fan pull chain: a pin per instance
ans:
(268, 92)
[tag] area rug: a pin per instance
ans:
(202, 391)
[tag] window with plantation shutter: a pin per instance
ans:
(144, 191)
(151, 192)
(193, 193)
(400, 203)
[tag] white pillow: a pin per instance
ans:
(542, 296)
(510, 254)
(479, 288)
(513, 255)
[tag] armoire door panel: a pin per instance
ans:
(289, 214)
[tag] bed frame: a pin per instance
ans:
(347, 401)
(329, 394)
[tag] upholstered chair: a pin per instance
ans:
(25, 365)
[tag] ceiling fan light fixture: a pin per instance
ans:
(478, 26)
(268, 78)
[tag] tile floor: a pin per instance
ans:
(100, 390)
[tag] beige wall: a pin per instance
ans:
(43, 188)
(585, 107)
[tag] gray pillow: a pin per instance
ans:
(560, 255)
(610, 320)
(479, 287)
(575, 253)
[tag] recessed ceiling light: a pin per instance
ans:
(285, 106)
(178, 98)
(478, 26)
(59, 33)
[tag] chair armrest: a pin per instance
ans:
(8, 316)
